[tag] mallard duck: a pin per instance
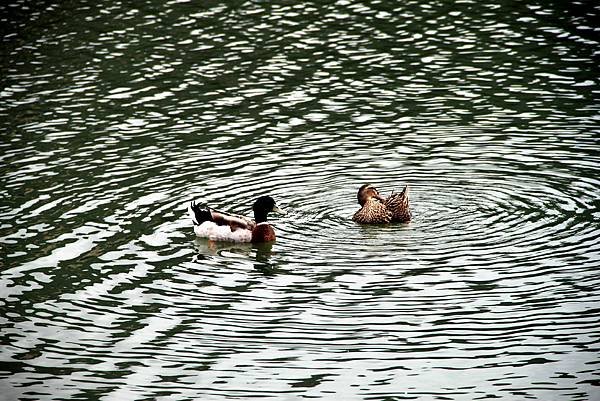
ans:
(218, 226)
(376, 209)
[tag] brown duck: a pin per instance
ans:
(376, 209)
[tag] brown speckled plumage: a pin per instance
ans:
(376, 209)
(373, 211)
(398, 204)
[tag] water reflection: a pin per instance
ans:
(262, 253)
(115, 116)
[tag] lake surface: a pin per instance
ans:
(114, 116)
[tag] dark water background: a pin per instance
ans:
(113, 115)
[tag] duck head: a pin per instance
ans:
(263, 206)
(367, 191)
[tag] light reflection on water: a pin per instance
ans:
(114, 118)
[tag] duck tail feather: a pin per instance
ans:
(198, 214)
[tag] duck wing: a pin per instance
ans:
(372, 212)
(398, 205)
(233, 221)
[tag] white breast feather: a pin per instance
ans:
(214, 232)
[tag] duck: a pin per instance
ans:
(376, 209)
(219, 226)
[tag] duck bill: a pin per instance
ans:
(379, 197)
(278, 210)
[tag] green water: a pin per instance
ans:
(114, 116)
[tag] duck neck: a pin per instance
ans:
(260, 216)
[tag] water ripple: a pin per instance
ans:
(115, 117)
